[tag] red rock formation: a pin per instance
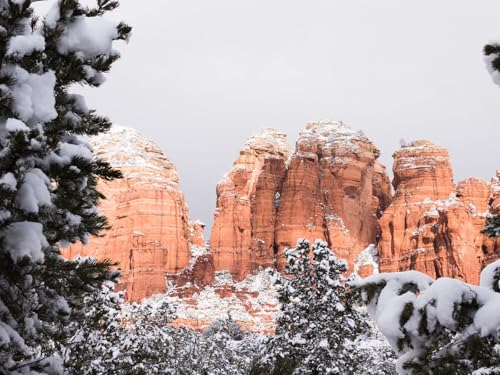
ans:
(199, 274)
(242, 238)
(197, 233)
(150, 227)
(331, 188)
(431, 225)
(334, 190)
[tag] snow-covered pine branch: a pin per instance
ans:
(48, 174)
(441, 326)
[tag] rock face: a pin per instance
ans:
(242, 238)
(151, 233)
(334, 190)
(432, 225)
(332, 187)
(197, 233)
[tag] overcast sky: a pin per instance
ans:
(198, 77)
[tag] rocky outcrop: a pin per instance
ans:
(334, 190)
(242, 238)
(197, 234)
(251, 303)
(150, 230)
(432, 225)
(332, 187)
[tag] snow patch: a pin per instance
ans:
(367, 257)
(88, 36)
(24, 238)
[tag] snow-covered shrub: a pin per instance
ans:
(131, 338)
(319, 329)
(48, 175)
(138, 339)
(226, 327)
(438, 327)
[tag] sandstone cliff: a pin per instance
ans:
(334, 190)
(151, 232)
(331, 187)
(432, 225)
(242, 238)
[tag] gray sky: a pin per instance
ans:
(198, 77)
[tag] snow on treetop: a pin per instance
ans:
(24, 238)
(421, 280)
(22, 45)
(88, 36)
(491, 275)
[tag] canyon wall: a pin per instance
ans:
(150, 232)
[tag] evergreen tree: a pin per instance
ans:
(138, 339)
(438, 327)
(492, 228)
(131, 339)
(318, 327)
(492, 57)
(48, 175)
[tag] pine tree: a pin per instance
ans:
(48, 175)
(492, 228)
(438, 327)
(138, 339)
(318, 326)
(492, 56)
(131, 339)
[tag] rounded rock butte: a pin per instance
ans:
(150, 233)
(432, 225)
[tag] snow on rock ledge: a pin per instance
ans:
(151, 232)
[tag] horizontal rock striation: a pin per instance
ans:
(432, 225)
(334, 190)
(150, 230)
(242, 238)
